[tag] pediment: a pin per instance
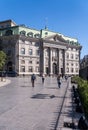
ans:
(56, 37)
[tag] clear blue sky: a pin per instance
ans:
(69, 17)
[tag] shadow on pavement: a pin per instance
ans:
(43, 96)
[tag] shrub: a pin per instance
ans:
(83, 92)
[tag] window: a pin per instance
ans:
(37, 69)
(72, 70)
(22, 50)
(67, 70)
(67, 64)
(30, 61)
(37, 52)
(37, 35)
(7, 25)
(72, 64)
(9, 52)
(30, 69)
(23, 33)
(37, 44)
(67, 55)
(22, 69)
(8, 32)
(22, 61)
(30, 52)
(37, 62)
(72, 56)
(30, 34)
(76, 64)
(77, 70)
(76, 56)
(46, 33)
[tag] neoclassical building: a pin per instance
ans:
(38, 51)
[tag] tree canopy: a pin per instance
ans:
(2, 59)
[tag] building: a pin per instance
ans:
(84, 62)
(38, 51)
(84, 67)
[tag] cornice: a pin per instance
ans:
(41, 40)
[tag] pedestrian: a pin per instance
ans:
(43, 78)
(33, 78)
(59, 80)
(66, 77)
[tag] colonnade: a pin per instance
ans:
(51, 62)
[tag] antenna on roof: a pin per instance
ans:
(46, 22)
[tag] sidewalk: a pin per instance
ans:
(69, 111)
(4, 82)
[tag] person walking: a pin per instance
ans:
(59, 81)
(33, 78)
(43, 78)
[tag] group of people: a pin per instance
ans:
(33, 78)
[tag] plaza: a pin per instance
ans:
(27, 108)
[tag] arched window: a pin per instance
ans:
(37, 35)
(46, 33)
(23, 33)
(30, 34)
(8, 32)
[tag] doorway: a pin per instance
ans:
(47, 70)
(9, 66)
(54, 68)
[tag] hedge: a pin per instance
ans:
(83, 92)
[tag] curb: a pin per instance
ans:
(4, 82)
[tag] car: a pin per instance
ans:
(11, 73)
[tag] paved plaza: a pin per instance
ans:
(23, 107)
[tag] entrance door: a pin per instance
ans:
(54, 68)
(47, 70)
(9, 66)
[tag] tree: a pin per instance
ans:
(2, 59)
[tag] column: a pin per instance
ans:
(63, 62)
(44, 67)
(41, 58)
(50, 61)
(58, 61)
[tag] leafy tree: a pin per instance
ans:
(2, 59)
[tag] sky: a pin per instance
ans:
(68, 17)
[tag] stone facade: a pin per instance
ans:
(38, 51)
